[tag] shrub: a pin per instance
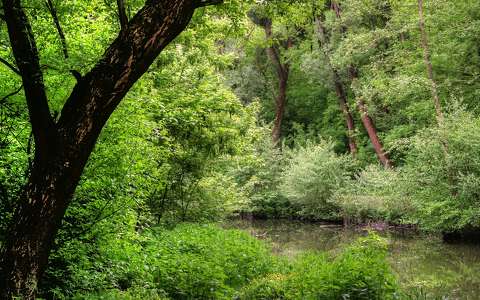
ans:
(190, 262)
(133, 294)
(194, 261)
(360, 272)
(374, 195)
(187, 262)
(259, 175)
(207, 262)
(311, 178)
(442, 174)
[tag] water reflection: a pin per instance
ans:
(422, 263)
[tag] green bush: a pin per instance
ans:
(258, 176)
(193, 262)
(360, 272)
(207, 262)
(133, 294)
(312, 176)
(374, 195)
(442, 174)
(187, 262)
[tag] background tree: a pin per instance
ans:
(282, 67)
(340, 89)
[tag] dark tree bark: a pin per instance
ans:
(62, 148)
(282, 70)
(339, 88)
(122, 15)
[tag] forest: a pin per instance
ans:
(240, 149)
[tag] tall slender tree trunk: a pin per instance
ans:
(428, 64)
(339, 88)
(362, 108)
(282, 70)
(373, 135)
(342, 99)
(280, 103)
(63, 147)
(370, 126)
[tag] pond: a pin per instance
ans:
(422, 263)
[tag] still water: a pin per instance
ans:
(422, 263)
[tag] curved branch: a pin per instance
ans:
(99, 91)
(11, 94)
(10, 66)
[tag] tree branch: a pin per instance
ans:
(100, 90)
(10, 66)
(202, 3)
(122, 15)
(11, 94)
(26, 56)
(61, 35)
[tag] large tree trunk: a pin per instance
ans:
(62, 148)
(339, 88)
(36, 221)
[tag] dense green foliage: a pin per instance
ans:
(188, 262)
(312, 176)
(191, 143)
(360, 272)
(433, 184)
(207, 262)
(447, 185)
